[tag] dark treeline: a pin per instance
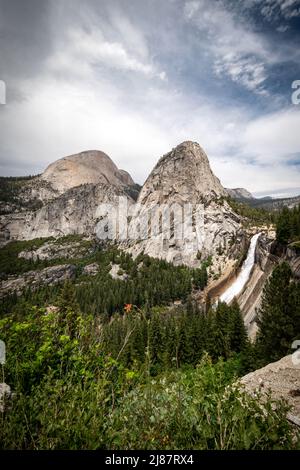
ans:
(11, 263)
(255, 215)
(288, 225)
(166, 339)
(278, 316)
(148, 282)
(10, 192)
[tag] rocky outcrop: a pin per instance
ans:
(91, 269)
(117, 273)
(282, 379)
(239, 193)
(292, 256)
(56, 250)
(125, 177)
(289, 253)
(34, 279)
(268, 254)
(5, 394)
(182, 215)
(29, 194)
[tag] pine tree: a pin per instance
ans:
(237, 330)
(275, 317)
(68, 308)
(155, 341)
(170, 344)
(182, 352)
(221, 346)
(138, 341)
(284, 228)
(67, 299)
(294, 309)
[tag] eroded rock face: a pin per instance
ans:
(34, 279)
(91, 269)
(125, 177)
(282, 379)
(56, 250)
(269, 253)
(292, 256)
(73, 212)
(183, 179)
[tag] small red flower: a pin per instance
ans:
(127, 308)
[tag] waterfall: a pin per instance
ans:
(244, 274)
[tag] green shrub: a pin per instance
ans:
(197, 409)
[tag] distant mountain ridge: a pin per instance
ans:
(239, 193)
(270, 203)
(266, 202)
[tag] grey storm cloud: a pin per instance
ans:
(26, 37)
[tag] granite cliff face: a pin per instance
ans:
(183, 183)
(181, 190)
(66, 198)
(73, 212)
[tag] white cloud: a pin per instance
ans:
(277, 9)
(274, 138)
(190, 8)
(82, 51)
(246, 71)
(238, 52)
(130, 35)
(257, 179)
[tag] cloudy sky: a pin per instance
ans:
(134, 78)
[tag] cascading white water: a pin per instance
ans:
(244, 274)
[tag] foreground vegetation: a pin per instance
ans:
(149, 378)
(72, 393)
(105, 363)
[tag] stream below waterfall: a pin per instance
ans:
(244, 274)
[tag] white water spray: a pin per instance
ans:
(244, 274)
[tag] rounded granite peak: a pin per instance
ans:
(186, 167)
(189, 144)
(89, 166)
